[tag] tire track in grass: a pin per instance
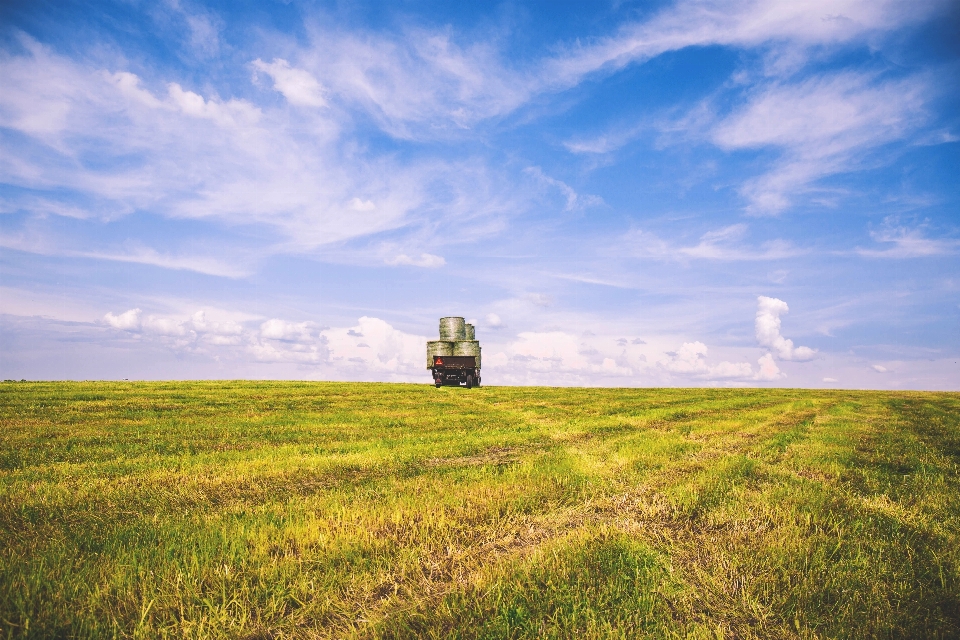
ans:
(525, 542)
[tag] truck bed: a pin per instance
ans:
(455, 362)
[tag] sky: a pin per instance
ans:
(626, 194)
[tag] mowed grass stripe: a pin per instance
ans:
(244, 509)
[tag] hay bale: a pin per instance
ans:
(469, 332)
(438, 348)
(452, 329)
(467, 348)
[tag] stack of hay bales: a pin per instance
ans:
(457, 338)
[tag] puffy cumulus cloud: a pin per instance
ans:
(373, 346)
(567, 357)
(493, 320)
(200, 323)
(276, 329)
(690, 359)
(559, 357)
(296, 85)
(165, 326)
(196, 328)
(280, 341)
(128, 320)
(767, 325)
(371, 349)
(768, 369)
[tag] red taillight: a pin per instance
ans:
(438, 361)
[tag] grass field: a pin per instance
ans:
(274, 510)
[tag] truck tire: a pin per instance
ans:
(478, 381)
(469, 382)
(438, 383)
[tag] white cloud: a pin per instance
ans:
(823, 125)
(222, 331)
(552, 357)
(416, 84)
(425, 260)
(493, 320)
(422, 83)
(539, 299)
(356, 204)
(287, 169)
(40, 243)
(767, 326)
(574, 200)
(879, 368)
(768, 368)
(371, 349)
(165, 326)
(604, 143)
(742, 24)
(128, 320)
(721, 244)
(202, 26)
(907, 242)
(284, 172)
(296, 85)
(196, 327)
(98, 87)
(381, 349)
(232, 113)
(276, 329)
(204, 33)
(830, 380)
(690, 359)
(200, 264)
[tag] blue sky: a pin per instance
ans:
(620, 193)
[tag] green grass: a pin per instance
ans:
(275, 510)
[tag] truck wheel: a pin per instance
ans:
(478, 381)
(469, 382)
(438, 382)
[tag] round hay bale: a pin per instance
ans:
(467, 348)
(469, 332)
(452, 328)
(438, 348)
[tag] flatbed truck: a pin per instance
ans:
(455, 370)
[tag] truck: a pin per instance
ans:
(456, 370)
